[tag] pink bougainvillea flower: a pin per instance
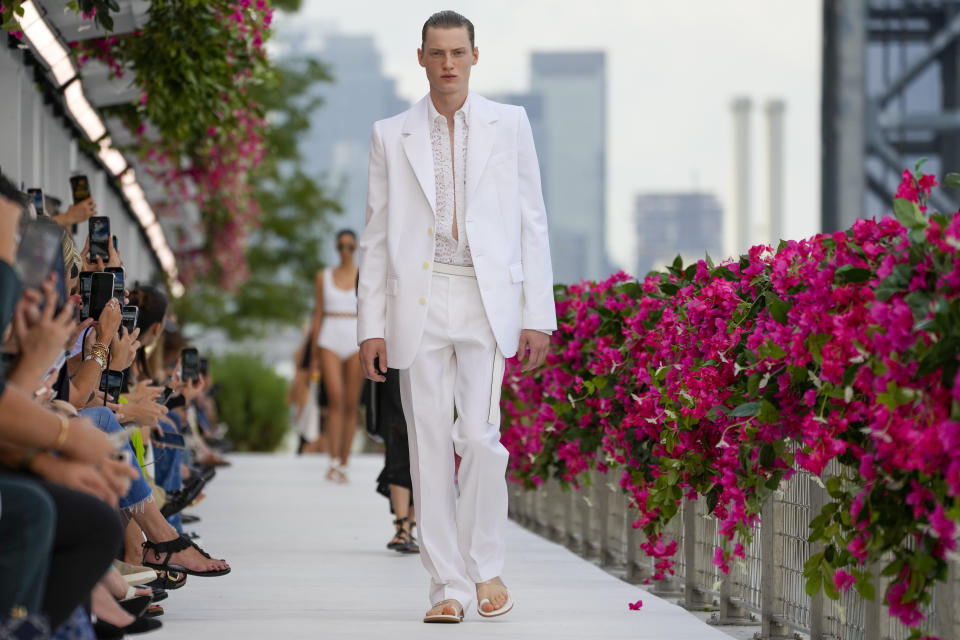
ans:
(636, 606)
(843, 580)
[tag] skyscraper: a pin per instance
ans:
(667, 224)
(338, 143)
(572, 87)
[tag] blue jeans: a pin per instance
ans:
(166, 469)
(106, 421)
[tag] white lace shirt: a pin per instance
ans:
(450, 174)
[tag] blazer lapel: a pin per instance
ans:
(416, 144)
(479, 142)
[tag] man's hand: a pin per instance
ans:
(533, 346)
(370, 350)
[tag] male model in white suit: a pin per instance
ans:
(455, 275)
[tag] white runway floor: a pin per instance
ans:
(309, 562)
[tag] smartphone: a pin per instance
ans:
(204, 367)
(111, 382)
(101, 291)
(131, 314)
(37, 196)
(40, 244)
(80, 187)
(189, 365)
(174, 440)
(118, 282)
(86, 280)
(99, 238)
(165, 395)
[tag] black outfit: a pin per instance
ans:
(385, 417)
(87, 538)
(27, 525)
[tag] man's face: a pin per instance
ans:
(447, 56)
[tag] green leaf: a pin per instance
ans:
(669, 288)
(767, 455)
(866, 588)
(939, 355)
(919, 165)
(713, 496)
(952, 180)
(746, 410)
(908, 213)
(812, 586)
(777, 308)
(851, 274)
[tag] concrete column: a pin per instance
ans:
(775, 172)
(737, 232)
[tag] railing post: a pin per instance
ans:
(771, 557)
(694, 595)
(569, 539)
(818, 630)
(601, 496)
(586, 506)
(945, 605)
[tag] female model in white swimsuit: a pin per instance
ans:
(335, 331)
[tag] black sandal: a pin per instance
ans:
(175, 546)
(411, 546)
(168, 580)
(401, 535)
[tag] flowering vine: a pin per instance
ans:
(197, 129)
(718, 381)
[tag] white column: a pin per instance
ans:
(775, 171)
(737, 232)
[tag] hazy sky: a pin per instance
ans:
(673, 68)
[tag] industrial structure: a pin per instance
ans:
(891, 96)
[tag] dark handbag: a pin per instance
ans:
(24, 627)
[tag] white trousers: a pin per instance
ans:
(458, 364)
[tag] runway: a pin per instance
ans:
(309, 561)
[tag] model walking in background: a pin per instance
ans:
(334, 329)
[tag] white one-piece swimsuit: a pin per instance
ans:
(338, 332)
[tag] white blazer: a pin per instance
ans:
(506, 225)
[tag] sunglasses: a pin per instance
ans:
(347, 247)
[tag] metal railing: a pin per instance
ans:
(766, 588)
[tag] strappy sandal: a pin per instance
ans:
(336, 474)
(506, 607)
(401, 538)
(175, 546)
(446, 617)
(412, 546)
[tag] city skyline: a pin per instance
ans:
(668, 99)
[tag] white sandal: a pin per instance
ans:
(505, 608)
(445, 617)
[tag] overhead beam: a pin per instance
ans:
(943, 39)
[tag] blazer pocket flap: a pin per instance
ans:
(502, 157)
(393, 286)
(516, 272)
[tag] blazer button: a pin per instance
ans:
(423, 301)
(430, 231)
(426, 265)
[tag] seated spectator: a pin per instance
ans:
(72, 477)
